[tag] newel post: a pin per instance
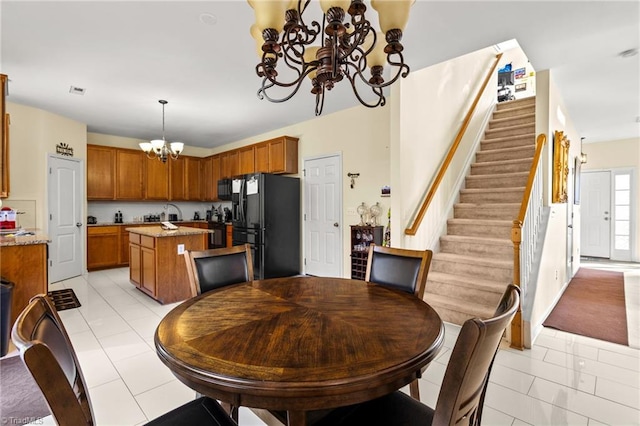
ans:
(517, 329)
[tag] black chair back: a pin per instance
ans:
(215, 268)
(402, 269)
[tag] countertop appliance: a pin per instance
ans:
(266, 214)
(92, 220)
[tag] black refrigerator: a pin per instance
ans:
(266, 214)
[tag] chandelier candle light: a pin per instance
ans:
(158, 148)
(344, 48)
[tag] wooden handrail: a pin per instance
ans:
(541, 140)
(452, 150)
(517, 329)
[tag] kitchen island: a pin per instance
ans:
(23, 261)
(156, 263)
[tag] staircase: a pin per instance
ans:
(475, 263)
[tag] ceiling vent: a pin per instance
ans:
(77, 90)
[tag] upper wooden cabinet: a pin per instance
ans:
(101, 172)
(279, 155)
(156, 181)
(246, 159)
(216, 175)
(210, 174)
(193, 178)
(178, 179)
(229, 164)
(129, 174)
(4, 139)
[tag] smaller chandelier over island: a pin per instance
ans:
(341, 48)
(158, 148)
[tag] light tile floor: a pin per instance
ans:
(564, 379)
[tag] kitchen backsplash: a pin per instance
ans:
(105, 211)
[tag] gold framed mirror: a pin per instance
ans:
(560, 167)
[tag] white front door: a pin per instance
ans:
(66, 227)
(322, 224)
(595, 223)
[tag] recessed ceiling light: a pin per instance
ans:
(77, 90)
(208, 19)
(628, 53)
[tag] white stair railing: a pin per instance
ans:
(524, 237)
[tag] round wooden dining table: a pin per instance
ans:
(299, 344)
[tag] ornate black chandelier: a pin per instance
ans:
(344, 50)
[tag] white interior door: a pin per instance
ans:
(323, 223)
(595, 223)
(66, 227)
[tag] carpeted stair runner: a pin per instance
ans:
(475, 262)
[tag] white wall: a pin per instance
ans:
(34, 133)
(551, 115)
(431, 108)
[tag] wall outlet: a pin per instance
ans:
(351, 211)
(180, 248)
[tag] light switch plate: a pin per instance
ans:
(180, 248)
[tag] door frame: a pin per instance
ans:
(81, 193)
(303, 200)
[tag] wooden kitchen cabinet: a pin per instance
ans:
(206, 179)
(129, 174)
(25, 265)
(101, 172)
(156, 268)
(177, 179)
(229, 163)
(246, 160)
(156, 180)
(103, 247)
(216, 175)
(192, 169)
(279, 155)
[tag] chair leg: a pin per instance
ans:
(414, 390)
(232, 410)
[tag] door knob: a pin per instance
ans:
(606, 218)
(336, 224)
(78, 224)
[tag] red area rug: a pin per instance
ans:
(593, 306)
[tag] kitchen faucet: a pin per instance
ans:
(166, 207)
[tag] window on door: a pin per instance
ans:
(622, 215)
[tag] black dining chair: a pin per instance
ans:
(398, 268)
(49, 356)
(401, 269)
(214, 268)
(463, 388)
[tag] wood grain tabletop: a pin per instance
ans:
(299, 343)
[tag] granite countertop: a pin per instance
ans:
(158, 232)
(24, 240)
(175, 222)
